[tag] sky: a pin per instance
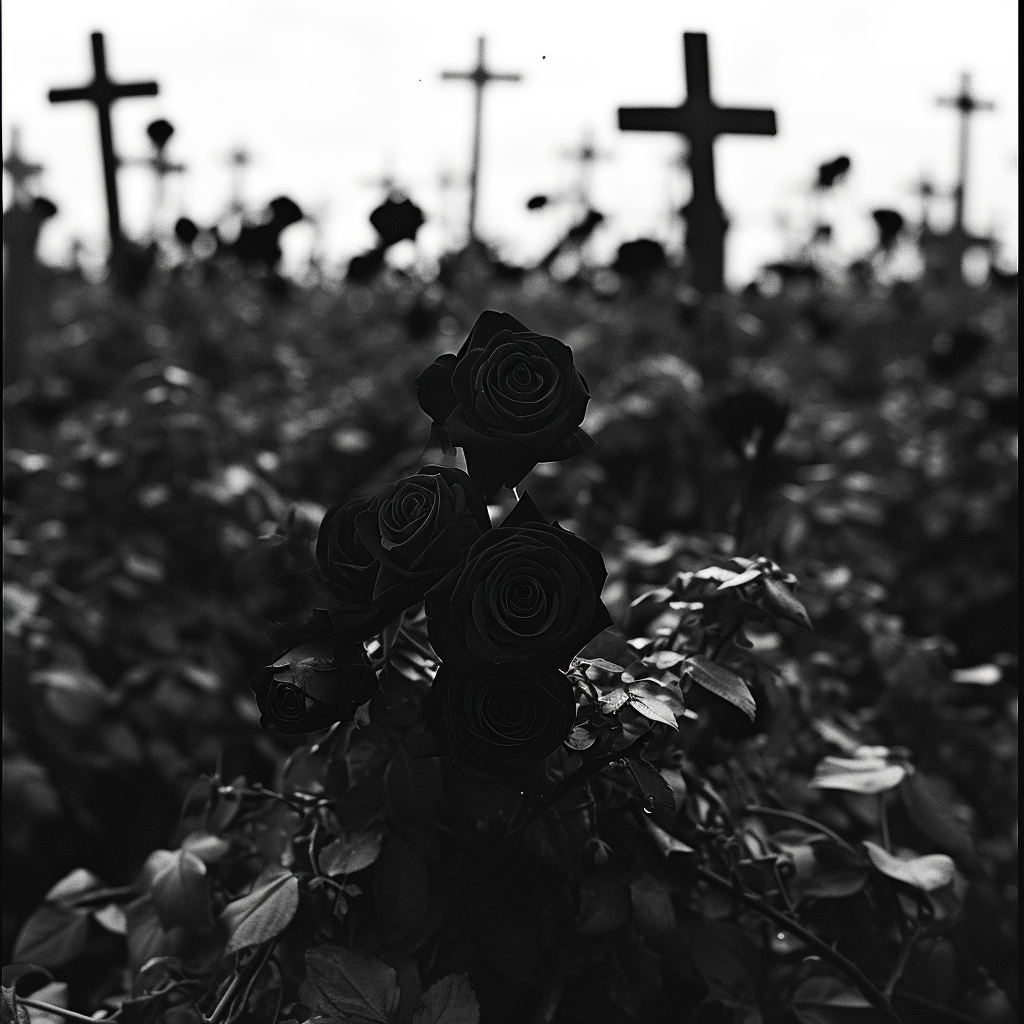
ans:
(329, 95)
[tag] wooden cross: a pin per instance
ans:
(20, 170)
(102, 92)
(967, 105)
(701, 121)
(160, 165)
(480, 76)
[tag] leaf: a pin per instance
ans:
(738, 581)
(113, 918)
(613, 700)
(978, 675)
(345, 855)
(667, 843)
(655, 710)
(665, 659)
(825, 1000)
(721, 681)
(929, 808)
(350, 985)
(657, 702)
(858, 774)
(653, 785)
(652, 905)
(448, 1001)
(777, 600)
(600, 663)
(580, 738)
(206, 847)
(930, 872)
(13, 1011)
(604, 904)
(264, 913)
(179, 887)
(76, 883)
(52, 936)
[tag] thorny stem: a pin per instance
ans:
(846, 967)
(901, 962)
(297, 801)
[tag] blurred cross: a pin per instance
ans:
(102, 92)
(20, 170)
(238, 160)
(701, 121)
(480, 76)
(967, 105)
(159, 133)
(586, 154)
(924, 189)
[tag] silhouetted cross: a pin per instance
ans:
(967, 105)
(102, 92)
(20, 170)
(238, 159)
(701, 122)
(480, 76)
(586, 154)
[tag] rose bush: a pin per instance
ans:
(509, 398)
(498, 722)
(527, 593)
(378, 556)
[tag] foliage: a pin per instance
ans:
(787, 781)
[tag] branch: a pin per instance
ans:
(846, 967)
(59, 1010)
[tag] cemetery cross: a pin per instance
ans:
(967, 105)
(586, 154)
(20, 170)
(480, 76)
(102, 92)
(701, 121)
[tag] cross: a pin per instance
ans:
(160, 133)
(19, 169)
(586, 155)
(480, 76)
(701, 121)
(102, 92)
(967, 105)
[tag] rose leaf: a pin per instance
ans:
(349, 985)
(721, 681)
(448, 1001)
(264, 913)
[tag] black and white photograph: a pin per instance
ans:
(510, 512)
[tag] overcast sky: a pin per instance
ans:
(330, 94)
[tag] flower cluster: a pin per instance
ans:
(508, 606)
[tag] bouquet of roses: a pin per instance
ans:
(507, 606)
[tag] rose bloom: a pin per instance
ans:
(379, 556)
(316, 683)
(510, 398)
(499, 722)
(527, 593)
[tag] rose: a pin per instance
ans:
(499, 721)
(379, 556)
(526, 593)
(316, 683)
(510, 399)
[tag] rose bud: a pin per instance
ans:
(527, 593)
(510, 399)
(379, 556)
(316, 683)
(500, 721)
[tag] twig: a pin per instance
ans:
(901, 962)
(59, 1010)
(846, 967)
(225, 999)
(883, 820)
(809, 822)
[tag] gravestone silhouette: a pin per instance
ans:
(102, 92)
(700, 120)
(481, 76)
(944, 251)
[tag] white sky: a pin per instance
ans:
(328, 94)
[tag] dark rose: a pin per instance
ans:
(527, 593)
(510, 399)
(379, 556)
(498, 721)
(316, 683)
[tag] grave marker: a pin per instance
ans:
(102, 92)
(700, 120)
(480, 76)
